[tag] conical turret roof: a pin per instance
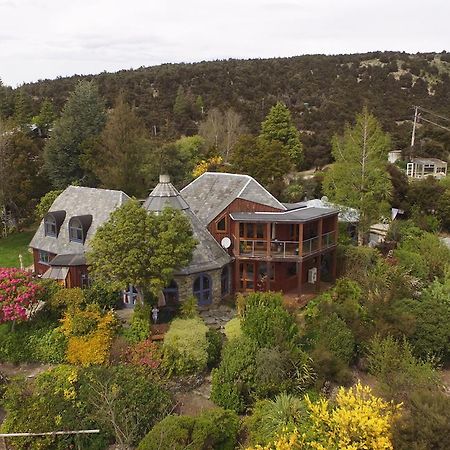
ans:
(208, 255)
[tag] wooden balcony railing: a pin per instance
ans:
(283, 249)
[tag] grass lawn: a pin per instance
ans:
(12, 246)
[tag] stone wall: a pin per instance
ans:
(186, 283)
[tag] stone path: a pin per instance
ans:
(217, 317)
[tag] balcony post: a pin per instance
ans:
(300, 239)
(237, 244)
(333, 265)
(319, 266)
(299, 277)
(269, 238)
(319, 232)
(336, 228)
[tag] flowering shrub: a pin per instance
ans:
(144, 354)
(94, 346)
(359, 420)
(19, 293)
(211, 164)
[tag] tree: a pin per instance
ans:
(279, 126)
(266, 161)
(82, 119)
(222, 131)
(358, 178)
(20, 172)
(118, 158)
(45, 203)
(140, 248)
(22, 108)
(44, 120)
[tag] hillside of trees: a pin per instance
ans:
(322, 93)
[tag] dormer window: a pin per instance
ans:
(52, 222)
(76, 231)
(78, 228)
(50, 226)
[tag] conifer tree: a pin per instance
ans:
(359, 178)
(44, 120)
(120, 153)
(82, 119)
(279, 126)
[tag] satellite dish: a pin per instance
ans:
(225, 242)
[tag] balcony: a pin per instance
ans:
(283, 249)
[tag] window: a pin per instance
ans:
(221, 225)
(44, 257)
(75, 231)
(85, 281)
(203, 289)
(50, 226)
(225, 281)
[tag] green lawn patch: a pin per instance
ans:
(12, 246)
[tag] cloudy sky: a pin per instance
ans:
(49, 38)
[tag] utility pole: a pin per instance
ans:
(413, 135)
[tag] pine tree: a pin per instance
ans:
(22, 108)
(44, 120)
(359, 178)
(279, 126)
(82, 119)
(119, 156)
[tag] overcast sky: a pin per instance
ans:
(49, 38)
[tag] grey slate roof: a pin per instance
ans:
(69, 260)
(210, 193)
(346, 214)
(208, 254)
(295, 215)
(78, 201)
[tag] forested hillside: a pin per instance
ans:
(322, 92)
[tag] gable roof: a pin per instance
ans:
(78, 201)
(210, 193)
(208, 254)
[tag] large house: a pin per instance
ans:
(247, 239)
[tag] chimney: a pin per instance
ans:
(164, 179)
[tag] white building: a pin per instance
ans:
(423, 167)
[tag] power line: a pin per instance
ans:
(434, 114)
(434, 123)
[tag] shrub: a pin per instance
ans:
(216, 429)
(266, 321)
(127, 403)
(50, 347)
(89, 334)
(233, 382)
(68, 298)
(270, 417)
(99, 293)
(185, 347)
(214, 348)
(139, 329)
(189, 308)
(19, 295)
(50, 402)
(233, 328)
(145, 354)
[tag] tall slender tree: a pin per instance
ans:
(118, 158)
(359, 178)
(82, 119)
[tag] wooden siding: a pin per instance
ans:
(40, 268)
(237, 205)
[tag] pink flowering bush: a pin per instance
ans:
(19, 294)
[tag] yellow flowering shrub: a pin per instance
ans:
(90, 334)
(206, 165)
(358, 421)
